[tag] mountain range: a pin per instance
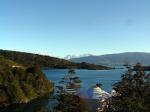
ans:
(116, 59)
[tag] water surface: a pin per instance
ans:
(89, 78)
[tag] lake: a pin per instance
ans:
(89, 78)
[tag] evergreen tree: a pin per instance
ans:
(133, 92)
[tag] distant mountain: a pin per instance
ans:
(68, 57)
(116, 59)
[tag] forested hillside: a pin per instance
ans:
(19, 84)
(28, 59)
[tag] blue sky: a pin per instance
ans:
(62, 27)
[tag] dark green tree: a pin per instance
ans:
(133, 92)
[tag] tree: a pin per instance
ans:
(133, 92)
(68, 100)
(71, 71)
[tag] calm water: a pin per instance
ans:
(88, 77)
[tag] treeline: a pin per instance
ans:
(145, 68)
(27, 59)
(19, 84)
(133, 92)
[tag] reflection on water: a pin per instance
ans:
(89, 77)
(43, 104)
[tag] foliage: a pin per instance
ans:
(70, 83)
(133, 92)
(100, 84)
(20, 85)
(71, 71)
(4, 62)
(71, 103)
(88, 66)
(28, 59)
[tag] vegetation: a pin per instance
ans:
(70, 83)
(28, 59)
(21, 85)
(71, 103)
(145, 68)
(68, 100)
(37, 105)
(5, 62)
(133, 92)
(85, 65)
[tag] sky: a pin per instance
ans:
(62, 27)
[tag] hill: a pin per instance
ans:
(28, 59)
(19, 84)
(7, 62)
(116, 59)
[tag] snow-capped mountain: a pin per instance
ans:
(68, 57)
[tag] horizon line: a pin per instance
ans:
(80, 55)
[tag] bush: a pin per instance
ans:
(133, 92)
